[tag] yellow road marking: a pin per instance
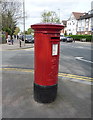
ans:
(17, 69)
(59, 74)
(70, 75)
(81, 78)
(16, 49)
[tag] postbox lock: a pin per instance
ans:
(54, 49)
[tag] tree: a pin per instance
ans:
(8, 23)
(30, 31)
(26, 32)
(14, 6)
(11, 13)
(49, 17)
(17, 30)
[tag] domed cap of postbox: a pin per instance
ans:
(47, 27)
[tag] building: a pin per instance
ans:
(72, 23)
(85, 24)
(64, 31)
(79, 23)
(92, 17)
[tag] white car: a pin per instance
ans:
(63, 38)
(69, 39)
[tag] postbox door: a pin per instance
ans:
(53, 61)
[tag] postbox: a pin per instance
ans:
(46, 60)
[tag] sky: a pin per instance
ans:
(64, 8)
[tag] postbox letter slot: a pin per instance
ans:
(55, 37)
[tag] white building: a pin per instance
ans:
(84, 26)
(72, 23)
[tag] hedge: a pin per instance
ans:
(79, 37)
(3, 39)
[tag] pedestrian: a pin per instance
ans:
(22, 38)
(14, 36)
(12, 41)
(20, 42)
(9, 39)
(17, 37)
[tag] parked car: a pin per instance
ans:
(66, 39)
(33, 40)
(21, 37)
(83, 40)
(69, 39)
(28, 38)
(63, 38)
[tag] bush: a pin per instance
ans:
(79, 37)
(3, 39)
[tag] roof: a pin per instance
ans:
(64, 22)
(86, 16)
(77, 14)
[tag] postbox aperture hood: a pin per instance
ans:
(47, 26)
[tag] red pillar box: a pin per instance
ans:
(47, 43)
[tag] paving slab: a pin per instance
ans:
(16, 46)
(73, 99)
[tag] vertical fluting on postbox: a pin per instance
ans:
(46, 60)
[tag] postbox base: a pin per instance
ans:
(45, 94)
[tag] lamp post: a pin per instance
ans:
(59, 14)
(24, 19)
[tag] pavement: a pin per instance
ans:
(16, 45)
(73, 98)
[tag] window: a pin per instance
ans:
(79, 28)
(92, 11)
(86, 29)
(82, 28)
(70, 33)
(87, 20)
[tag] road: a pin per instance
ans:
(74, 97)
(68, 62)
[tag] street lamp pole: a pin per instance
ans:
(59, 15)
(24, 19)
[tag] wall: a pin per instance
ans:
(71, 25)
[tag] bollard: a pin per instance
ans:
(47, 44)
(20, 43)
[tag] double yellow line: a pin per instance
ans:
(16, 49)
(17, 69)
(89, 79)
(66, 75)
